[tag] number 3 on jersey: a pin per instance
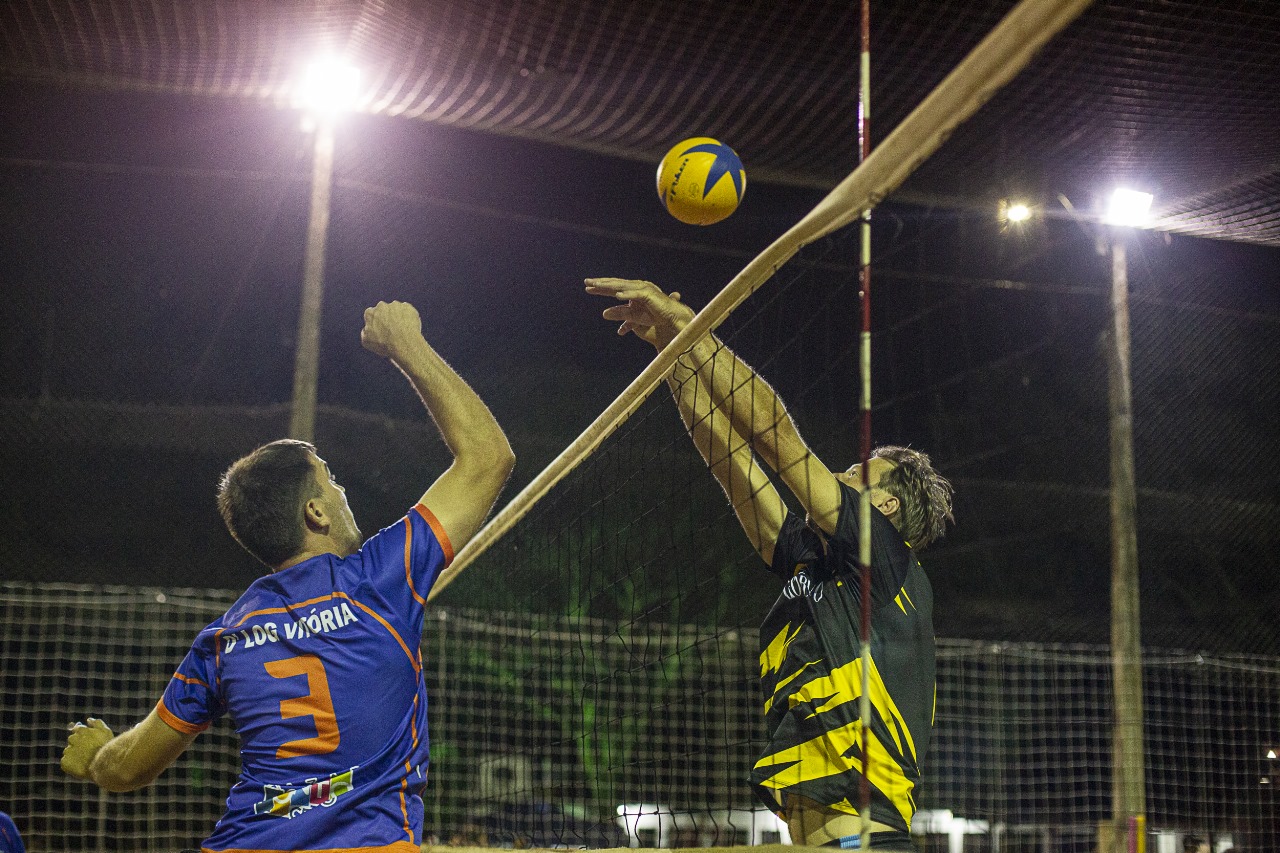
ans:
(316, 703)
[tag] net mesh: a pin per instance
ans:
(67, 649)
(1174, 92)
(656, 721)
(605, 658)
(602, 661)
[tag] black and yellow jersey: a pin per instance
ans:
(811, 670)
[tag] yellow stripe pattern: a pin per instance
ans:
(772, 658)
(832, 752)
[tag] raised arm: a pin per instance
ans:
(756, 412)
(126, 762)
(755, 501)
(482, 458)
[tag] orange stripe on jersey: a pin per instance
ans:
(177, 724)
(438, 530)
(188, 680)
(398, 847)
(413, 659)
(403, 788)
(408, 561)
(404, 784)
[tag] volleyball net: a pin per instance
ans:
(593, 666)
(575, 731)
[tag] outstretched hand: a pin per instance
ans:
(82, 745)
(648, 313)
(389, 326)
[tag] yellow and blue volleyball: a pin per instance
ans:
(701, 181)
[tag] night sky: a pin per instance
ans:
(154, 249)
(178, 228)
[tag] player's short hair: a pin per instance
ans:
(262, 495)
(925, 494)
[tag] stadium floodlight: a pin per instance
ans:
(329, 86)
(1128, 207)
(1271, 753)
(1015, 212)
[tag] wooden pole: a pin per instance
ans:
(1127, 782)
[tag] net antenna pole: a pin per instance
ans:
(864, 449)
(995, 61)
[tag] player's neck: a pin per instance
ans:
(314, 546)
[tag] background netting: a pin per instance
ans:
(603, 654)
(541, 727)
(1178, 94)
(987, 355)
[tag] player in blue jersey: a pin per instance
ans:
(318, 663)
(10, 838)
(812, 769)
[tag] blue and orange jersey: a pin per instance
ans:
(318, 667)
(10, 838)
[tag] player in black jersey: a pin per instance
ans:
(810, 662)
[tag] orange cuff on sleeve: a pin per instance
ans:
(177, 724)
(438, 530)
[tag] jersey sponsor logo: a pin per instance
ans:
(801, 586)
(318, 621)
(291, 802)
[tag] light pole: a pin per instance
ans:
(1128, 785)
(1126, 832)
(329, 88)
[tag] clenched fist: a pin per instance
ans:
(82, 745)
(390, 326)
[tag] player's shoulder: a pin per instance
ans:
(917, 581)
(264, 592)
(396, 530)
(392, 542)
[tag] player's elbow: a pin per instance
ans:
(508, 461)
(503, 461)
(492, 463)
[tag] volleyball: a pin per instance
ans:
(701, 181)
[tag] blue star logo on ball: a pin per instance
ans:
(727, 163)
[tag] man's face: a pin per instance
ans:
(342, 525)
(877, 468)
